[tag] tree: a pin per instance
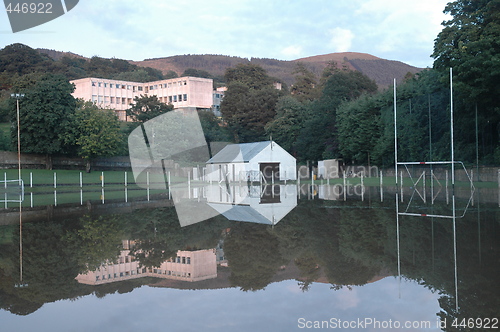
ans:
(170, 74)
(46, 118)
(98, 132)
(146, 108)
(470, 43)
(196, 73)
(359, 128)
(288, 122)
(249, 102)
(253, 76)
(213, 128)
(305, 86)
(340, 85)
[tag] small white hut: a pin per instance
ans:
(252, 161)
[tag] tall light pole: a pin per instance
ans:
(18, 96)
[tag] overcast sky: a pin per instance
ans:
(284, 30)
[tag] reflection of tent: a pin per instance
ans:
(269, 207)
(237, 162)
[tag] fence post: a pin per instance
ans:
(125, 179)
(55, 180)
(147, 183)
(81, 180)
(31, 179)
(102, 179)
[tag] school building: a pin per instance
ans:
(188, 93)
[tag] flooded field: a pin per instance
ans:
(246, 258)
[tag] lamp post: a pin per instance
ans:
(18, 96)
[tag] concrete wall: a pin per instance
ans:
(9, 160)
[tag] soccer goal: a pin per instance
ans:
(11, 191)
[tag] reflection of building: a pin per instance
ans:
(249, 161)
(183, 92)
(186, 266)
(264, 205)
(330, 192)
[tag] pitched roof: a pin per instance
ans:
(243, 152)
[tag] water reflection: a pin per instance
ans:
(265, 204)
(313, 241)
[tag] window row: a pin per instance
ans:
(167, 85)
(181, 260)
(172, 273)
(111, 100)
(120, 275)
(117, 86)
(128, 101)
(138, 87)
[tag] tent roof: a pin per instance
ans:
(243, 152)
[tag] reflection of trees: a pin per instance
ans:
(253, 255)
(96, 243)
(49, 268)
(349, 245)
(158, 235)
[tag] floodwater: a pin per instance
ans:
(252, 258)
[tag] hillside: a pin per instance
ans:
(381, 70)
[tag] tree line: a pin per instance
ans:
(342, 113)
(338, 114)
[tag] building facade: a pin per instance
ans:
(183, 93)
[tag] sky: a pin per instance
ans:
(280, 307)
(284, 30)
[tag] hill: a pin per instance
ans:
(381, 70)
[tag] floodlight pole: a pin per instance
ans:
(395, 138)
(18, 96)
(451, 129)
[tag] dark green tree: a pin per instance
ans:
(46, 118)
(253, 76)
(213, 128)
(146, 108)
(341, 85)
(470, 43)
(285, 128)
(98, 132)
(306, 85)
(196, 73)
(359, 129)
(249, 102)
